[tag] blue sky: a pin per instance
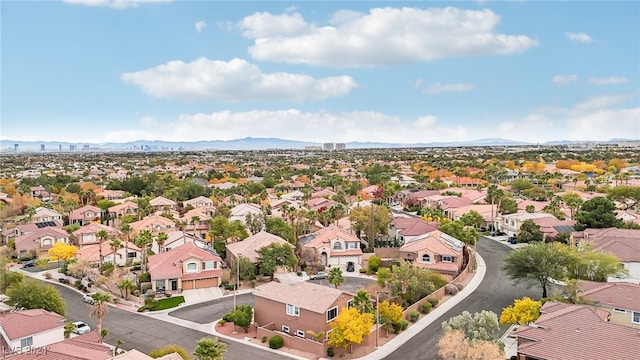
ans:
(407, 72)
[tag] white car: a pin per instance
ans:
(88, 298)
(81, 328)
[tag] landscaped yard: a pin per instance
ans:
(168, 303)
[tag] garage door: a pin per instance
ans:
(206, 283)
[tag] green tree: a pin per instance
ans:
(410, 283)
(362, 301)
(467, 234)
(374, 263)
(170, 349)
(472, 218)
(210, 349)
(335, 277)
(161, 239)
(242, 316)
(598, 212)
(68, 329)
(279, 227)
(143, 241)
(32, 294)
(594, 265)
(126, 286)
(539, 263)
(573, 202)
(102, 236)
(8, 278)
(372, 220)
(530, 209)
(276, 255)
(247, 269)
(225, 230)
(508, 206)
(99, 308)
(628, 196)
(529, 232)
(482, 326)
(126, 231)
(350, 327)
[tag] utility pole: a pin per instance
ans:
(378, 317)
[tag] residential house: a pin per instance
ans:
(324, 193)
(197, 220)
(552, 227)
(161, 203)
(154, 223)
(120, 257)
(436, 251)
(43, 214)
(112, 195)
(568, 331)
(295, 195)
(85, 215)
(233, 200)
(83, 347)
(371, 191)
(40, 241)
(335, 247)
(126, 208)
(240, 212)
(25, 329)
(409, 198)
(88, 234)
(297, 309)
(278, 205)
(320, 204)
(42, 193)
(407, 229)
(511, 223)
(487, 211)
(198, 202)
(620, 299)
(134, 354)
(249, 247)
(185, 267)
(175, 239)
(623, 243)
(404, 180)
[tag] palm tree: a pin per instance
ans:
(116, 245)
(102, 236)
(335, 277)
(362, 302)
(161, 239)
(99, 309)
(126, 230)
(144, 239)
(127, 286)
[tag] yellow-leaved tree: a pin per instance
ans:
(390, 313)
(349, 328)
(524, 311)
(62, 251)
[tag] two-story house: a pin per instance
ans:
(197, 220)
(511, 223)
(85, 215)
(185, 267)
(335, 247)
(198, 202)
(154, 223)
(436, 251)
(249, 247)
(297, 309)
(121, 256)
(621, 300)
(162, 203)
(126, 208)
(40, 241)
(240, 212)
(43, 214)
(88, 234)
(26, 329)
(623, 243)
(406, 229)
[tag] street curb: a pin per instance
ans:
(229, 338)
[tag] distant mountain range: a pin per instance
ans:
(247, 143)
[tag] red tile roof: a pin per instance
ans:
(615, 295)
(23, 323)
(306, 295)
(83, 347)
(168, 265)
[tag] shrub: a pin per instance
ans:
(253, 283)
(228, 317)
(63, 281)
(459, 286)
(142, 308)
(47, 276)
(434, 302)
(144, 277)
(107, 269)
(363, 271)
(425, 307)
(221, 322)
(276, 342)
(404, 324)
(414, 315)
(78, 284)
(450, 289)
(224, 283)
(136, 293)
(150, 293)
(330, 352)
(150, 302)
(264, 339)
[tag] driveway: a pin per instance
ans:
(351, 283)
(494, 293)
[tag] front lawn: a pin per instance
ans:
(168, 303)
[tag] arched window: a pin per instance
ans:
(426, 258)
(337, 246)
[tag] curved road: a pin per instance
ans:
(494, 293)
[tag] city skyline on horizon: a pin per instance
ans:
(370, 71)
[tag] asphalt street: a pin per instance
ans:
(494, 293)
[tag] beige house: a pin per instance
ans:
(249, 247)
(185, 267)
(162, 203)
(436, 251)
(36, 328)
(621, 300)
(126, 208)
(43, 214)
(198, 202)
(335, 247)
(154, 223)
(88, 234)
(85, 215)
(40, 241)
(91, 253)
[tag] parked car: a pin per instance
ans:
(498, 233)
(351, 266)
(80, 328)
(88, 298)
(512, 240)
(318, 275)
(28, 264)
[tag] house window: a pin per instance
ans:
(426, 258)
(293, 310)
(26, 342)
(192, 267)
(332, 313)
(285, 329)
(635, 317)
(208, 265)
(46, 242)
(447, 259)
(619, 310)
(352, 245)
(349, 304)
(337, 246)
(300, 333)
(157, 227)
(131, 255)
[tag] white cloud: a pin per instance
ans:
(562, 80)
(114, 4)
(384, 36)
(148, 121)
(601, 102)
(233, 81)
(608, 80)
(579, 37)
(438, 88)
(200, 25)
